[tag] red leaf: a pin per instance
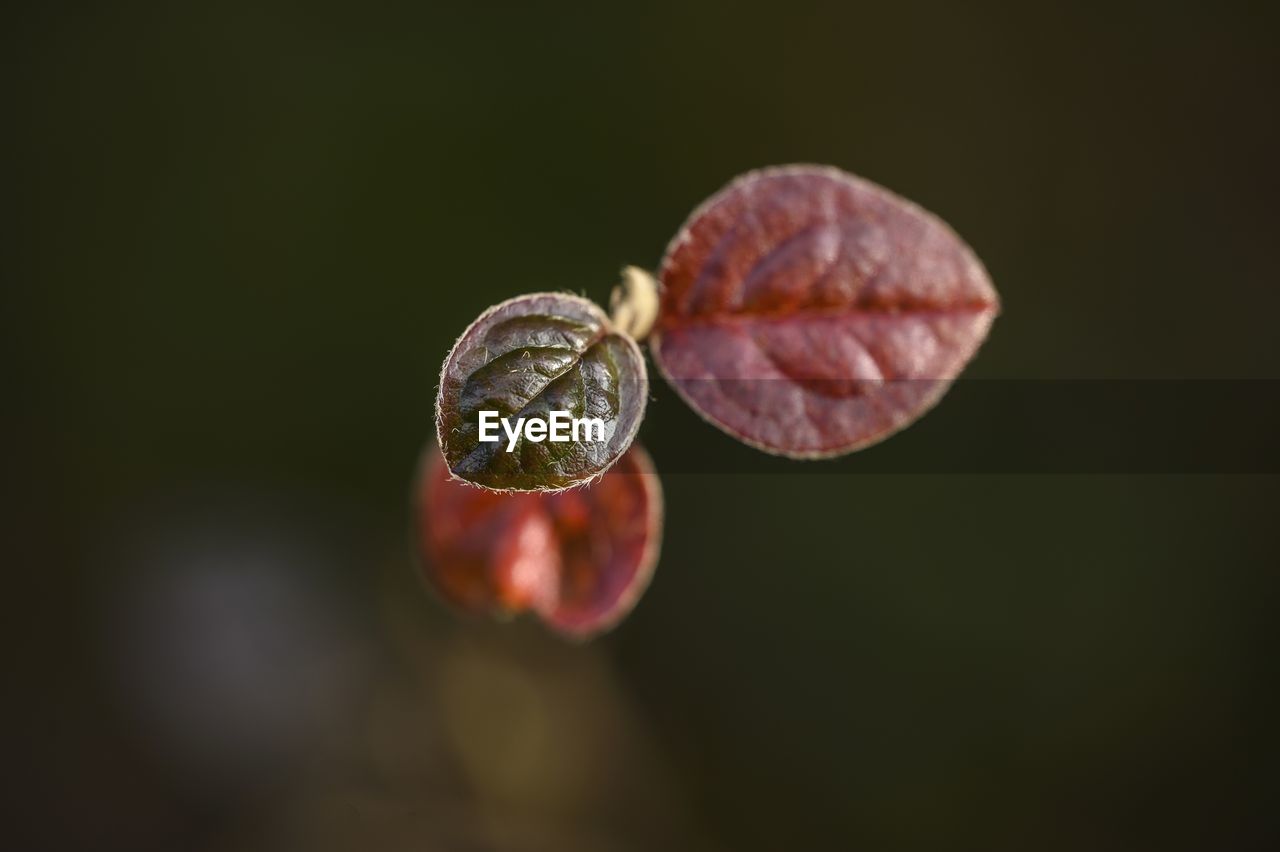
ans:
(579, 559)
(811, 313)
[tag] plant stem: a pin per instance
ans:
(634, 303)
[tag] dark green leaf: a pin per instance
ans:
(527, 358)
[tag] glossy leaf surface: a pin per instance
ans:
(811, 313)
(526, 358)
(579, 559)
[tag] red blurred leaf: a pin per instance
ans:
(579, 559)
(811, 313)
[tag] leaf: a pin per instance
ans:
(811, 313)
(579, 559)
(526, 358)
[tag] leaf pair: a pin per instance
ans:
(804, 311)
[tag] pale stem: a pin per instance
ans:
(634, 303)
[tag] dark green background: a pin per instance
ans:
(245, 237)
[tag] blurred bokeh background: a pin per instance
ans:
(244, 237)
